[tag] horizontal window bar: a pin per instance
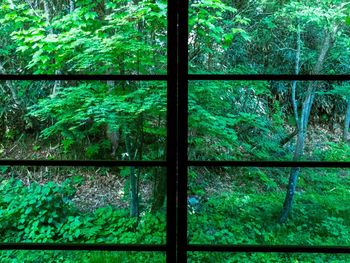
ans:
(266, 77)
(270, 164)
(262, 248)
(83, 77)
(97, 247)
(81, 163)
(164, 77)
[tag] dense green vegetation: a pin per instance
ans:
(126, 120)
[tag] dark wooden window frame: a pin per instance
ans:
(177, 79)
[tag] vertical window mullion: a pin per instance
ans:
(183, 130)
(171, 150)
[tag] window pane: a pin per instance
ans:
(80, 256)
(83, 37)
(121, 120)
(122, 205)
(256, 120)
(272, 37)
(265, 257)
(248, 206)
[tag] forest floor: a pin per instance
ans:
(105, 186)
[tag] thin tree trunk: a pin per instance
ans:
(134, 199)
(112, 134)
(159, 187)
(71, 6)
(294, 172)
(209, 61)
(112, 130)
(288, 138)
(347, 122)
(47, 15)
(294, 85)
(140, 152)
(159, 190)
(303, 120)
(11, 88)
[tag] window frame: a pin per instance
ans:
(184, 163)
(176, 246)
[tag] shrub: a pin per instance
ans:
(33, 213)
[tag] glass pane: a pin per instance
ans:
(121, 120)
(251, 206)
(256, 120)
(83, 37)
(200, 257)
(123, 205)
(80, 256)
(272, 37)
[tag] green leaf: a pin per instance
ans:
(28, 210)
(347, 20)
(228, 39)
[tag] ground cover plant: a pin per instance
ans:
(126, 120)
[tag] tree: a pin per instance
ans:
(330, 21)
(114, 37)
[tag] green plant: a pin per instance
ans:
(337, 152)
(34, 213)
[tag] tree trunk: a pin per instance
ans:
(71, 6)
(47, 15)
(347, 122)
(294, 172)
(112, 130)
(134, 198)
(159, 192)
(13, 90)
(159, 187)
(303, 120)
(285, 140)
(112, 134)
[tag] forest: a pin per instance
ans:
(126, 120)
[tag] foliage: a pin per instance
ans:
(126, 120)
(248, 215)
(337, 152)
(230, 110)
(98, 47)
(83, 111)
(34, 213)
(45, 213)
